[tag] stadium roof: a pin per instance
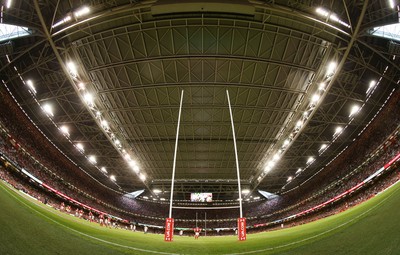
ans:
(112, 73)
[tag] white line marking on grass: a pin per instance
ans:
(83, 234)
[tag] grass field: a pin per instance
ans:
(29, 227)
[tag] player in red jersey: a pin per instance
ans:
(91, 217)
(101, 219)
(196, 232)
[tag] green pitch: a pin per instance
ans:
(28, 227)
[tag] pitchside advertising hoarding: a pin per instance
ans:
(242, 229)
(169, 230)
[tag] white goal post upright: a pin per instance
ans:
(169, 222)
(241, 220)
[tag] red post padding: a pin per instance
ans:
(169, 230)
(242, 229)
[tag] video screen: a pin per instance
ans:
(201, 197)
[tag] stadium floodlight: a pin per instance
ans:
(315, 98)
(267, 169)
(299, 124)
(92, 159)
(132, 163)
(142, 177)
(88, 99)
(8, 5)
(276, 157)
(145, 197)
(391, 4)
(331, 68)
(299, 171)
(127, 157)
(354, 109)
(79, 146)
(162, 199)
(112, 177)
(103, 169)
(48, 109)
(286, 142)
(323, 146)
(157, 191)
(256, 198)
(310, 160)
(289, 178)
(117, 142)
(322, 86)
(245, 191)
(104, 124)
(82, 11)
(338, 131)
(371, 85)
(72, 68)
(271, 164)
(31, 86)
(64, 130)
(322, 12)
(136, 168)
(64, 20)
(81, 86)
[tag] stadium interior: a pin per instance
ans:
(283, 112)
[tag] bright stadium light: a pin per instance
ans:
(117, 142)
(104, 124)
(112, 177)
(88, 99)
(245, 191)
(315, 98)
(103, 169)
(92, 159)
(289, 178)
(48, 109)
(271, 164)
(72, 68)
(310, 160)
(391, 4)
(82, 11)
(64, 20)
(276, 157)
(267, 169)
(131, 163)
(79, 146)
(157, 191)
(338, 130)
(299, 124)
(81, 86)
(286, 142)
(31, 86)
(323, 146)
(331, 68)
(354, 109)
(371, 85)
(145, 197)
(322, 86)
(322, 12)
(127, 157)
(162, 199)
(8, 5)
(64, 130)
(299, 171)
(142, 177)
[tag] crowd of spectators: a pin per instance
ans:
(25, 147)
